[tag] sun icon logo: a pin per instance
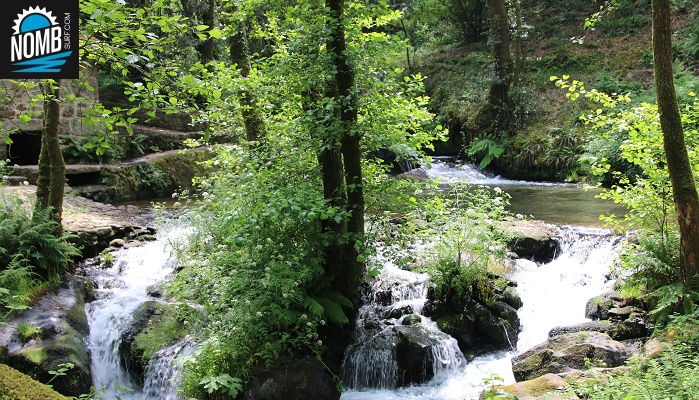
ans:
(33, 19)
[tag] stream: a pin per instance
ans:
(548, 291)
(121, 289)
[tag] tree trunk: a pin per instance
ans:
(684, 189)
(51, 164)
(240, 56)
(348, 279)
(498, 95)
(207, 49)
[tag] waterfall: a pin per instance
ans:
(371, 362)
(121, 289)
(553, 294)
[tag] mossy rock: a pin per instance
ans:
(15, 385)
(548, 386)
(154, 326)
(60, 317)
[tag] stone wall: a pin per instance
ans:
(17, 100)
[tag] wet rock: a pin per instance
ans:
(571, 351)
(300, 379)
(414, 353)
(511, 297)
(412, 319)
(479, 326)
(153, 327)
(133, 243)
(399, 311)
(592, 326)
(547, 386)
(117, 243)
(531, 239)
(60, 317)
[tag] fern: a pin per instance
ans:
(328, 305)
(491, 148)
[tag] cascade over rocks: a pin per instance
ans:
(415, 353)
(62, 323)
(567, 352)
(299, 379)
(153, 327)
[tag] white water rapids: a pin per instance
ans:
(121, 289)
(553, 294)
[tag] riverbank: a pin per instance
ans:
(94, 224)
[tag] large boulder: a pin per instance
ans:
(479, 325)
(60, 325)
(547, 386)
(153, 327)
(300, 379)
(626, 316)
(421, 352)
(570, 351)
(531, 239)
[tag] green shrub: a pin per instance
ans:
(466, 243)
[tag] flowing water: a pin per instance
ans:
(121, 289)
(553, 294)
(370, 369)
(554, 203)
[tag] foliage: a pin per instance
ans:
(256, 259)
(488, 147)
(467, 244)
(672, 375)
(651, 263)
(27, 332)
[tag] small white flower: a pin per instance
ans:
(285, 295)
(304, 316)
(266, 269)
(259, 314)
(319, 342)
(247, 302)
(322, 322)
(497, 190)
(25, 183)
(269, 240)
(309, 324)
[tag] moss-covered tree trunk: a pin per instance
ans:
(348, 278)
(240, 56)
(499, 92)
(207, 49)
(684, 189)
(52, 168)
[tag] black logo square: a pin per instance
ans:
(39, 40)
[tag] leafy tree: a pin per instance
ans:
(684, 189)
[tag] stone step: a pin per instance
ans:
(17, 179)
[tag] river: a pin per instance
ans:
(576, 275)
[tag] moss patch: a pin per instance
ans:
(168, 324)
(15, 385)
(35, 355)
